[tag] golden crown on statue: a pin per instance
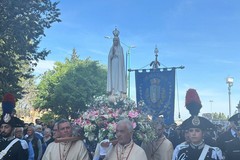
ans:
(116, 32)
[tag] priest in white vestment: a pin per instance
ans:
(161, 148)
(125, 149)
(68, 150)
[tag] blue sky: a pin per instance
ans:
(202, 35)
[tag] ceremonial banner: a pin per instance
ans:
(156, 89)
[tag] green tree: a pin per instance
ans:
(22, 25)
(219, 116)
(25, 103)
(48, 117)
(222, 116)
(70, 86)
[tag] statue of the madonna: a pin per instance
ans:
(116, 76)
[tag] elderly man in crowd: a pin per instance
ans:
(67, 150)
(125, 149)
(36, 142)
(161, 148)
(47, 137)
(18, 132)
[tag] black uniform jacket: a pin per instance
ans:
(16, 152)
(229, 145)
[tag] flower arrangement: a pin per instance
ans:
(100, 120)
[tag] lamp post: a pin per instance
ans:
(238, 107)
(128, 66)
(211, 101)
(229, 81)
(127, 62)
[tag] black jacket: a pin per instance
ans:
(229, 145)
(16, 152)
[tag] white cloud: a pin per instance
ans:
(98, 52)
(43, 66)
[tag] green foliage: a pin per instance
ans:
(47, 117)
(70, 86)
(219, 116)
(22, 24)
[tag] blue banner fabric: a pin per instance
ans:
(156, 89)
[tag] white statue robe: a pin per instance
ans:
(116, 77)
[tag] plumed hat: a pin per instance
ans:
(236, 119)
(193, 104)
(8, 105)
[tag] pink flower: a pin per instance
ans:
(93, 113)
(115, 114)
(101, 117)
(87, 122)
(133, 114)
(79, 121)
(134, 124)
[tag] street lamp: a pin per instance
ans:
(229, 81)
(128, 66)
(238, 107)
(127, 62)
(211, 101)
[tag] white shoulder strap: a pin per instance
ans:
(204, 152)
(3, 152)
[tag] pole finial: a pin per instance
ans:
(156, 50)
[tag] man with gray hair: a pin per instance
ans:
(18, 133)
(161, 147)
(68, 149)
(36, 142)
(125, 149)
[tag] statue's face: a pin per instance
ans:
(115, 41)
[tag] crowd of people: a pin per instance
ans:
(195, 139)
